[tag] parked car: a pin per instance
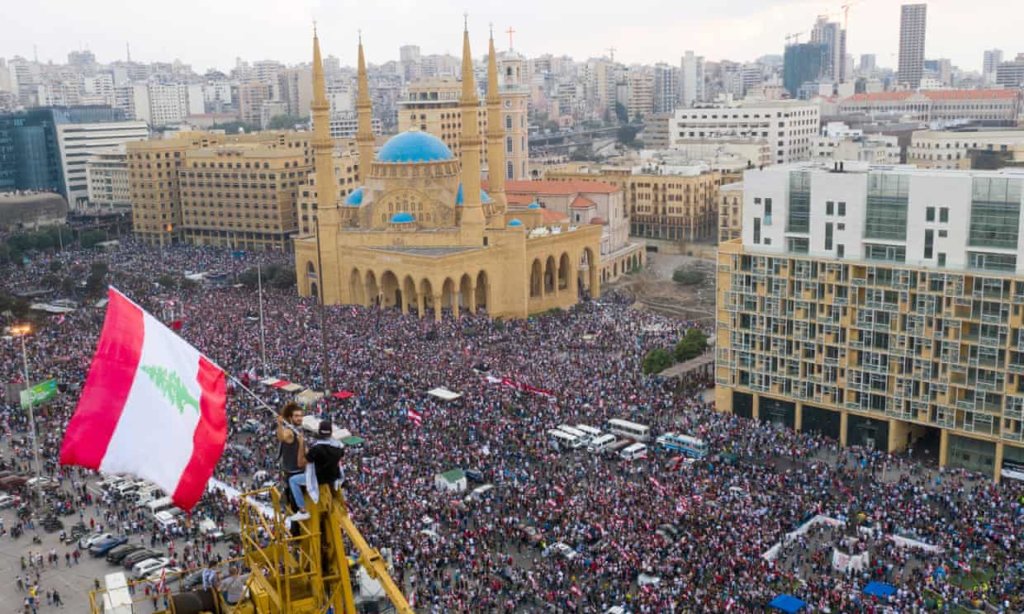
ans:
(86, 542)
(117, 554)
(148, 566)
(103, 546)
(475, 475)
(137, 557)
(560, 549)
(7, 501)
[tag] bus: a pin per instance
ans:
(625, 428)
(562, 440)
(688, 446)
(590, 431)
(575, 432)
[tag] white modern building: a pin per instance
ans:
(691, 80)
(838, 141)
(167, 105)
(107, 174)
(898, 214)
(80, 142)
(787, 126)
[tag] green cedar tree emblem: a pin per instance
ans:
(170, 385)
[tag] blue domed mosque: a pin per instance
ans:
(421, 235)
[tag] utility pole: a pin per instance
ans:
(263, 339)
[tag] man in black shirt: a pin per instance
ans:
(323, 456)
(293, 454)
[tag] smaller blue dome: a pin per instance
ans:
(485, 198)
(534, 205)
(515, 223)
(414, 146)
(402, 218)
(355, 198)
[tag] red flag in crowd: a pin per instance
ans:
(414, 416)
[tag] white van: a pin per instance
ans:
(161, 504)
(562, 440)
(165, 519)
(637, 450)
(601, 444)
(581, 437)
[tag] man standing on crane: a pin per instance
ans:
(293, 455)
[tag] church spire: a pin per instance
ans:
(364, 112)
(472, 208)
(495, 139)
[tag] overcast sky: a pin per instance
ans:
(212, 33)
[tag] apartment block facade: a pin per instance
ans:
(882, 307)
(952, 149)
(788, 127)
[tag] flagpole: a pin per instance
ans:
(251, 393)
(31, 398)
(263, 339)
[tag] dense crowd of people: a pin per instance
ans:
(759, 482)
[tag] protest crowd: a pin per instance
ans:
(758, 483)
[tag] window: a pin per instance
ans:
(757, 230)
(944, 214)
(840, 226)
(886, 214)
(799, 245)
(929, 243)
(995, 212)
(992, 262)
(943, 234)
(888, 253)
(842, 208)
(828, 236)
(929, 214)
(942, 259)
(840, 250)
(829, 207)
(757, 201)
(799, 202)
(508, 145)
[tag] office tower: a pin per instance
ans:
(691, 82)
(993, 58)
(833, 38)
(802, 62)
(913, 19)
(879, 307)
(868, 63)
(666, 88)
(79, 142)
(787, 125)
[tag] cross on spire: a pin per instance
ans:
(510, 32)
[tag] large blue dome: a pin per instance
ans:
(414, 146)
(403, 217)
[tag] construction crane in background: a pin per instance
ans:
(794, 38)
(611, 52)
(846, 11)
(303, 569)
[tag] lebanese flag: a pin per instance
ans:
(414, 416)
(153, 406)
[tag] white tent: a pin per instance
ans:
(444, 394)
(312, 424)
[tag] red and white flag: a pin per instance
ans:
(153, 406)
(415, 416)
(162, 584)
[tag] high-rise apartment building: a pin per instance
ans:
(640, 97)
(165, 105)
(787, 126)
(880, 306)
(1011, 74)
(251, 97)
(80, 142)
(666, 88)
(993, 58)
(868, 63)
(691, 80)
(832, 37)
(913, 21)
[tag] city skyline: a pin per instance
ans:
(741, 31)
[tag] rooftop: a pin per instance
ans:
(933, 95)
(560, 188)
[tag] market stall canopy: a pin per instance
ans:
(312, 424)
(444, 394)
(308, 397)
(879, 589)
(787, 603)
(343, 394)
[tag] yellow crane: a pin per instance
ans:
(300, 570)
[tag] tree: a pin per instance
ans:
(90, 238)
(688, 276)
(657, 360)
(621, 113)
(285, 122)
(627, 135)
(582, 153)
(692, 345)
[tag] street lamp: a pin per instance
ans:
(22, 331)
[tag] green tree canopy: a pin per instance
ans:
(657, 360)
(692, 345)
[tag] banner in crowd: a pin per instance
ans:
(520, 386)
(40, 393)
(842, 561)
